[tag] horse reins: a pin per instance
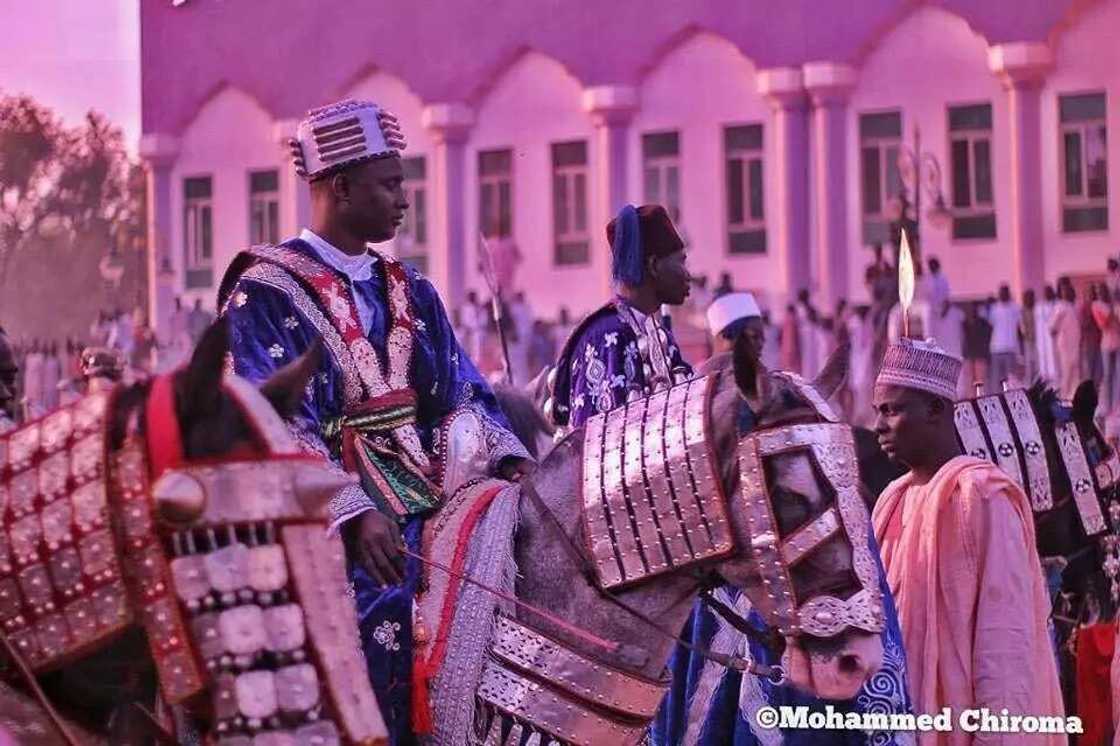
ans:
(37, 691)
(773, 673)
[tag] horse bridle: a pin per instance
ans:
(770, 639)
(1003, 428)
(653, 456)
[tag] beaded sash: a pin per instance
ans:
(336, 299)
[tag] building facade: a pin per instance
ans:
(781, 139)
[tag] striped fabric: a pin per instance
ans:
(341, 134)
(921, 365)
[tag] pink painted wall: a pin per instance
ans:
(698, 87)
(231, 135)
(449, 49)
(535, 103)
(523, 69)
(929, 61)
(1086, 58)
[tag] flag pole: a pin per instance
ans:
(495, 303)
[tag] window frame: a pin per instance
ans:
(415, 188)
(975, 211)
(269, 201)
(663, 164)
(495, 181)
(1080, 213)
(570, 174)
(198, 211)
(1080, 127)
(974, 207)
(746, 156)
(882, 144)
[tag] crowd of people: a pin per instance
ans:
(1069, 334)
(120, 344)
(387, 405)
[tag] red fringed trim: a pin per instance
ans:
(439, 646)
(421, 706)
(423, 670)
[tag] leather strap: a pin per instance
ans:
(165, 442)
(776, 674)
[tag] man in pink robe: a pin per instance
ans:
(957, 539)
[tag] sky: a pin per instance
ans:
(75, 55)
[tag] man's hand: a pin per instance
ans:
(375, 542)
(513, 469)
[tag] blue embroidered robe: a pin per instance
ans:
(270, 326)
(728, 719)
(602, 366)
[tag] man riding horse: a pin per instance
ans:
(711, 705)
(392, 375)
(623, 351)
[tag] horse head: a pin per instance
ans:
(221, 420)
(1081, 522)
(799, 519)
(183, 506)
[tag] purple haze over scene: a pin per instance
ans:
(75, 55)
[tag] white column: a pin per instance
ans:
(449, 125)
(158, 152)
(1021, 66)
(789, 127)
(295, 195)
(612, 109)
(829, 84)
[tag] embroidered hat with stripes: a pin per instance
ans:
(342, 135)
(922, 365)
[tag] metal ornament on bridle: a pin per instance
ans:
(648, 483)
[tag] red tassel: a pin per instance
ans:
(421, 708)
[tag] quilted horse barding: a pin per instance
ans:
(224, 561)
(1068, 471)
(643, 505)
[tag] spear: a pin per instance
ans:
(486, 260)
(905, 281)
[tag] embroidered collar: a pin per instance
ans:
(638, 315)
(357, 268)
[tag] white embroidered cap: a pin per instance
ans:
(727, 309)
(921, 365)
(343, 134)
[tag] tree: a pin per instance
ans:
(59, 183)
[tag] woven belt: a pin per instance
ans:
(366, 439)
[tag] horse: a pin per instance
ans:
(525, 418)
(776, 512)
(179, 510)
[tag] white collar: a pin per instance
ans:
(357, 268)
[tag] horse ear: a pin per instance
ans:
(1085, 402)
(834, 372)
(284, 388)
(201, 383)
(751, 376)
